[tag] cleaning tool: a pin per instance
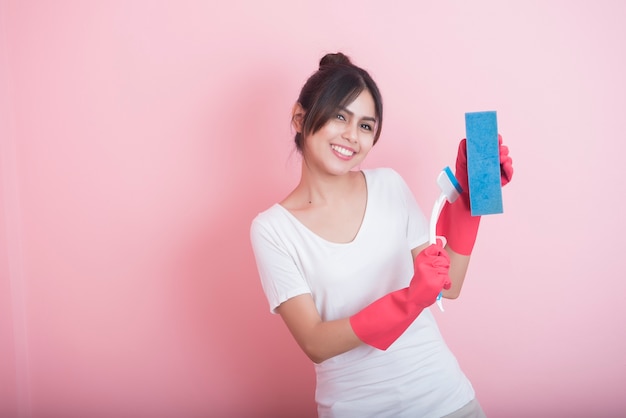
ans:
(483, 163)
(457, 222)
(450, 191)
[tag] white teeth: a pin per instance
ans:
(342, 151)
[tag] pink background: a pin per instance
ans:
(140, 138)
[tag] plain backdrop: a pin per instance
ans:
(138, 139)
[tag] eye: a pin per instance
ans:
(341, 117)
(366, 127)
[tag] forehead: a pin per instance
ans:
(363, 105)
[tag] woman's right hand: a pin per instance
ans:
(432, 266)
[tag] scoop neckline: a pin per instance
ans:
(319, 237)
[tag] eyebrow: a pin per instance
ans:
(370, 118)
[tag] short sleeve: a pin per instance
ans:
(417, 223)
(280, 276)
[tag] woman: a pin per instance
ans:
(344, 259)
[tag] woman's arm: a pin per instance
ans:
(458, 225)
(318, 339)
(378, 324)
(458, 270)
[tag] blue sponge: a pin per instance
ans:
(483, 163)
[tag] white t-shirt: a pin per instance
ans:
(417, 376)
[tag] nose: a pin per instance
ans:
(350, 133)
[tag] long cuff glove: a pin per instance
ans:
(456, 222)
(385, 320)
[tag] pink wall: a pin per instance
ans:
(140, 138)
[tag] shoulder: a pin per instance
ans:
(383, 175)
(266, 221)
(381, 172)
(275, 226)
(387, 183)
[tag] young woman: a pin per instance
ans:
(344, 259)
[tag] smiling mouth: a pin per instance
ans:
(343, 151)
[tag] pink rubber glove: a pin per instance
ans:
(456, 222)
(385, 320)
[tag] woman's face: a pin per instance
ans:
(345, 140)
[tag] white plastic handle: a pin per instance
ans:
(434, 217)
(450, 190)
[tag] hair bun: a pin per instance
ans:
(334, 59)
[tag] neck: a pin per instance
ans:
(320, 189)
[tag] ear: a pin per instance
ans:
(297, 117)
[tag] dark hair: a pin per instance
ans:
(335, 84)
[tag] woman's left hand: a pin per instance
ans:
(506, 163)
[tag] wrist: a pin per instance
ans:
(457, 224)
